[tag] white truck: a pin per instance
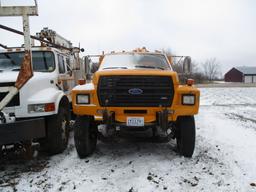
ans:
(39, 110)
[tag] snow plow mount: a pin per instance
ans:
(161, 119)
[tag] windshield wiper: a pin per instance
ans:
(115, 68)
(149, 67)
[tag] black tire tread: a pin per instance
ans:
(186, 135)
(85, 135)
(54, 142)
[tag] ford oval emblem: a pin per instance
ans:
(135, 91)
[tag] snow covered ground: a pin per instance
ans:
(224, 158)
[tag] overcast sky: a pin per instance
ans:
(224, 29)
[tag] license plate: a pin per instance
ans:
(135, 121)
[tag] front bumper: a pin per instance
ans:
(161, 120)
(22, 130)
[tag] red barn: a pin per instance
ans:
(241, 74)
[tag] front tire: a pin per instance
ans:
(57, 131)
(185, 135)
(85, 135)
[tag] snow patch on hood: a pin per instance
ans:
(8, 76)
(11, 76)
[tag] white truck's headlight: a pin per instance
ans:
(188, 99)
(82, 99)
(37, 108)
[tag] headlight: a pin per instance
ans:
(82, 99)
(188, 99)
(46, 107)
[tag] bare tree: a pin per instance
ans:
(211, 68)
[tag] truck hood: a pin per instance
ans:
(6, 77)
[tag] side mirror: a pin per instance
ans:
(187, 65)
(94, 67)
(87, 62)
(70, 73)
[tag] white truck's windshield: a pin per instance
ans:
(43, 61)
(135, 61)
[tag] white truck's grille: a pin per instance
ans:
(15, 100)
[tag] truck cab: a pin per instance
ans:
(135, 91)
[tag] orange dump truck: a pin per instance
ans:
(135, 92)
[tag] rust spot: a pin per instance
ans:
(26, 71)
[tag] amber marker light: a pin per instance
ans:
(81, 81)
(49, 107)
(190, 82)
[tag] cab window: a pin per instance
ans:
(61, 64)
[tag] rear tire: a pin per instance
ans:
(57, 131)
(85, 135)
(185, 135)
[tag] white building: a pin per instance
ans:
(249, 74)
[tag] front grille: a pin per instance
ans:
(135, 91)
(15, 100)
(7, 84)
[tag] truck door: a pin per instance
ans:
(65, 74)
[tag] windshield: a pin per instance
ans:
(43, 61)
(135, 61)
